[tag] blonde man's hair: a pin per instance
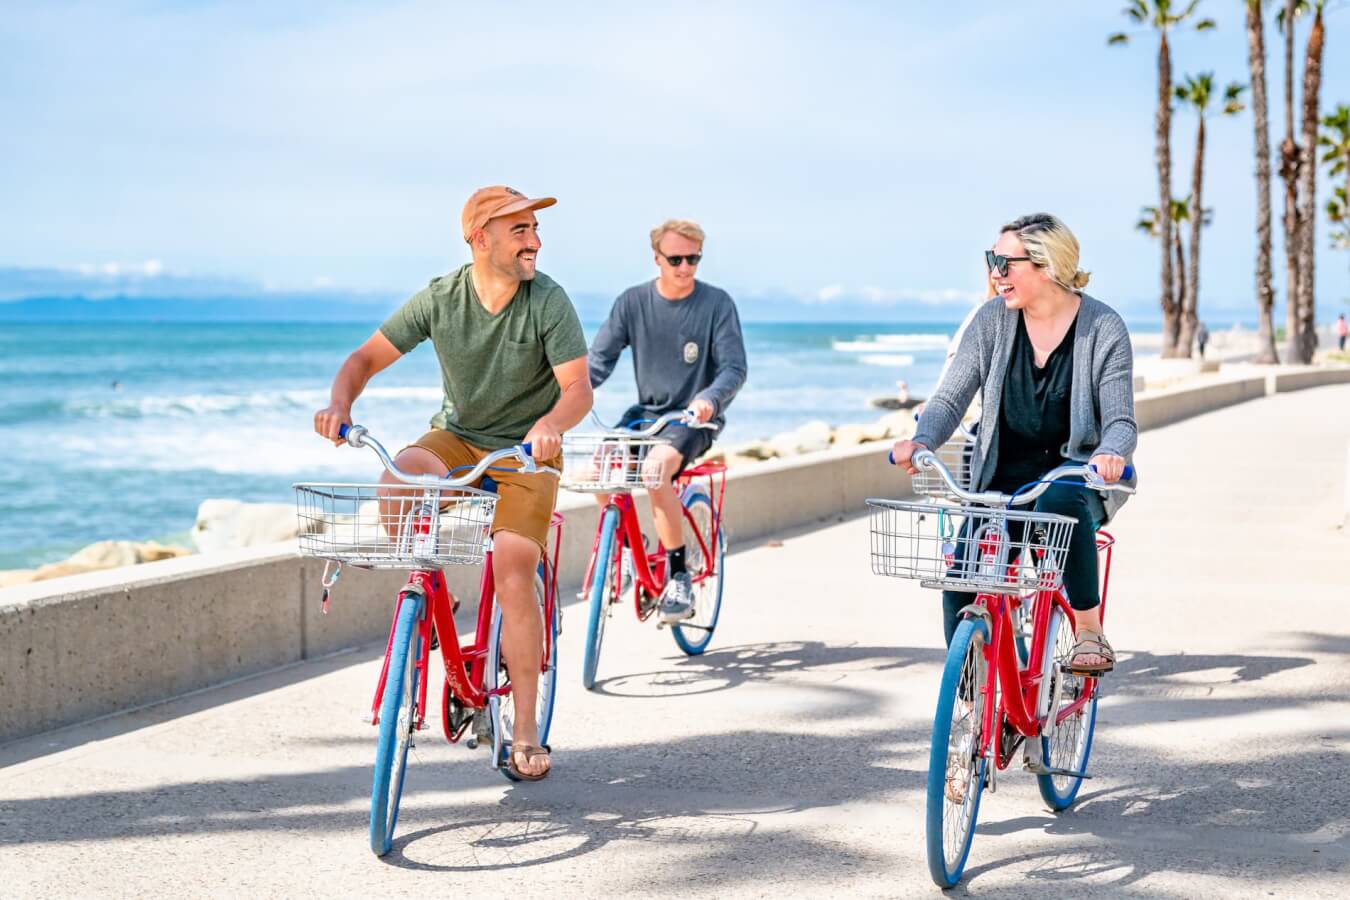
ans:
(682, 227)
(1052, 246)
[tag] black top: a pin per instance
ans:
(1033, 422)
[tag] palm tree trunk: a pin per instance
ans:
(1289, 158)
(1191, 297)
(1181, 273)
(1164, 156)
(1265, 291)
(1312, 84)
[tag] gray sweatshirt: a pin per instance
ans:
(683, 350)
(1101, 402)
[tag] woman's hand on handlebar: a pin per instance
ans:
(903, 452)
(328, 421)
(1109, 466)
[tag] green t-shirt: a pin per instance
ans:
(497, 371)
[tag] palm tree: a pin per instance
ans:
(1337, 141)
(1151, 224)
(1265, 291)
(1338, 211)
(1289, 171)
(1306, 341)
(1197, 91)
(1162, 15)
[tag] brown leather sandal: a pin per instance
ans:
(1091, 643)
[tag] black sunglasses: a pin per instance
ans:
(676, 260)
(994, 261)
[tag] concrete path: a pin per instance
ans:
(791, 757)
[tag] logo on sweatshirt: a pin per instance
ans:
(691, 353)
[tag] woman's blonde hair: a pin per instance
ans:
(1052, 246)
(682, 227)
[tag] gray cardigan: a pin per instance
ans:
(1101, 403)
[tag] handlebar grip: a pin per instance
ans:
(529, 451)
(890, 455)
(1125, 474)
(342, 431)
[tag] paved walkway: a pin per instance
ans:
(791, 757)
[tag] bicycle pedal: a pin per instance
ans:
(1079, 673)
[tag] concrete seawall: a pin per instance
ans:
(89, 645)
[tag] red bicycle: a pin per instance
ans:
(996, 694)
(431, 523)
(611, 463)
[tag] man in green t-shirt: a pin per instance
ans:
(513, 368)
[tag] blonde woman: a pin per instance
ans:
(1055, 369)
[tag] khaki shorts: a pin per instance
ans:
(525, 502)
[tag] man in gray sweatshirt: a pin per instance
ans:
(688, 353)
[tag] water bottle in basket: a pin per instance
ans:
(422, 524)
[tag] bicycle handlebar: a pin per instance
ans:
(926, 459)
(682, 416)
(357, 436)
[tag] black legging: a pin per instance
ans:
(1080, 564)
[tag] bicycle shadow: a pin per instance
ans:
(696, 797)
(728, 668)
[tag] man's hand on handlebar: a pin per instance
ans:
(328, 421)
(702, 409)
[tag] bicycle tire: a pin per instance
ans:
(601, 587)
(964, 674)
(694, 634)
(502, 708)
(1067, 745)
(397, 719)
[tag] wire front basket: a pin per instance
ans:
(384, 526)
(607, 463)
(955, 455)
(969, 548)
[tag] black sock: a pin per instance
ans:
(674, 561)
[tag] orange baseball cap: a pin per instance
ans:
(498, 200)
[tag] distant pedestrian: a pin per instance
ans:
(1341, 331)
(1202, 338)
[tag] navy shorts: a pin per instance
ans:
(691, 442)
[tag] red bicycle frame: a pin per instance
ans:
(649, 570)
(465, 665)
(1018, 706)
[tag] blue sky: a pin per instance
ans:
(837, 154)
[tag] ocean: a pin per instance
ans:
(119, 430)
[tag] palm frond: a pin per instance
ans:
(1206, 25)
(1118, 38)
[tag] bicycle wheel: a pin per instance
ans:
(602, 591)
(503, 707)
(1064, 744)
(693, 634)
(398, 717)
(955, 764)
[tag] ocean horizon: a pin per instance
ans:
(118, 430)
